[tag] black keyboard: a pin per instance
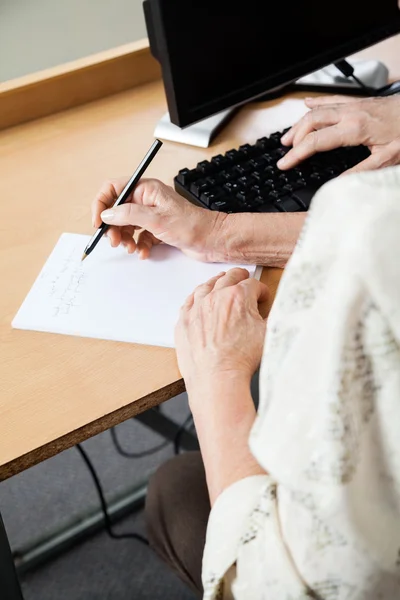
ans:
(247, 179)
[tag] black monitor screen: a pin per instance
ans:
(213, 59)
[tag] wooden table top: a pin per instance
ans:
(58, 390)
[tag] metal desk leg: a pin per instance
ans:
(9, 584)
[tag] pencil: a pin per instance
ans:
(124, 195)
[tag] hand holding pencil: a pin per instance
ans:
(124, 195)
(162, 215)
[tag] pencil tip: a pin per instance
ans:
(84, 255)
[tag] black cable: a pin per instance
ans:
(103, 503)
(360, 83)
(177, 440)
(348, 71)
(128, 454)
(154, 449)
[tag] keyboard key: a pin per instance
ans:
(231, 187)
(205, 168)
(185, 176)
(258, 163)
(268, 208)
(246, 181)
(213, 181)
(280, 152)
(210, 197)
(273, 196)
(248, 150)
(243, 169)
(199, 186)
(230, 175)
(245, 195)
(235, 156)
(225, 206)
(289, 205)
(270, 172)
(315, 178)
(220, 161)
(268, 159)
(258, 201)
(265, 143)
(303, 197)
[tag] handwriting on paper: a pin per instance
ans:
(65, 287)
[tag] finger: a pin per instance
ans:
(129, 214)
(106, 197)
(146, 241)
(287, 139)
(317, 141)
(232, 277)
(188, 304)
(257, 290)
(325, 100)
(372, 163)
(130, 229)
(314, 120)
(114, 235)
(128, 241)
(206, 288)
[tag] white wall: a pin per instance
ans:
(36, 34)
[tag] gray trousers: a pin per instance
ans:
(177, 511)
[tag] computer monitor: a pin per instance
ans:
(216, 54)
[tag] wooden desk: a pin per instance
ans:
(58, 390)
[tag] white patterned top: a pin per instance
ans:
(325, 522)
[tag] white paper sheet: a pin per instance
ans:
(282, 115)
(112, 295)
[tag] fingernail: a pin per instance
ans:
(284, 138)
(108, 215)
(282, 162)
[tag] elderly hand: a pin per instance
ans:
(220, 333)
(340, 121)
(163, 216)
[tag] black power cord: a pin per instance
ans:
(179, 433)
(176, 442)
(348, 71)
(128, 454)
(103, 503)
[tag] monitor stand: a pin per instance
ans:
(199, 134)
(328, 80)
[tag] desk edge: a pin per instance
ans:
(81, 434)
(78, 82)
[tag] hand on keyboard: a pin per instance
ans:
(338, 121)
(248, 179)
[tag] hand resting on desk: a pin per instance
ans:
(219, 341)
